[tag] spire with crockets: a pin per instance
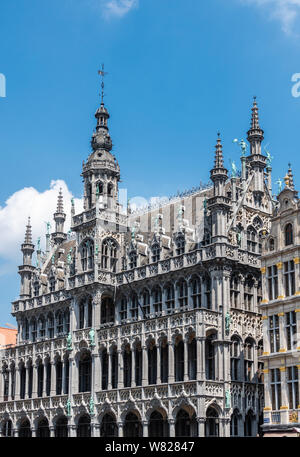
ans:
(26, 269)
(59, 217)
(291, 177)
(255, 134)
(218, 174)
(28, 233)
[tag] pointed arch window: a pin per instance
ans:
(170, 297)
(134, 307)
(89, 195)
(33, 330)
(85, 369)
(192, 359)
(182, 293)
(164, 361)
(59, 323)
(207, 285)
(157, 300)
(155, 252)
(210, 357)
(234, 291)
(179, 361)
(110, 188)
(22, 381)
(235, 358)
(123, 309)
(132, 259)
(42, 327)
(52, 284)
(248, 293)
(50, 325)
(114, 368)
(288, 234)
(152, 364)
(87, 255)
(107, 310)
(59, 373)
(127, 359)
(196, 292)
(251, 239)
(109, 255)
(40, 380)
(138, 364)
(248, 360)
(104, 361)
(146, 303)
(26, 329)
(36, 288)
(180, 244)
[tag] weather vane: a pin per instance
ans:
(102, 73)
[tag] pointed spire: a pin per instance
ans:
(28, 233)
(255, 119)
(219, 162)
(291, 177)
(60, 202)
(255, 134)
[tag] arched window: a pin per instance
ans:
(110, 188)
(107, 310)
(234, 291)
(212, 422)
(81, 314)
(251, 239)
(33, 326)
(59, 373)
(26, 330)
(192, 359)
(99, 188)
(123, 309)
(196, 292)
(6, 429)
(207, 285)
(180, 244)
(109, 426)
(271, 244)
(43, 430)
(48, 377)
(146, 303)
(87, 255)
(109, 255)
(155, 248)
(182, 294)
(104, 363)
(134, 307)
(50, 325)
(67, 321)
(157, 300)
(235, 359)
(248, 360)
(59, 323)
(127, 360)
(183, 424)
(36, 288)
(248, 293)
(5, 383)
(288, 234)
(210, 357)
(84, 427)
(132, 259)
(67, 375)
(170, 297)
(85, 369)
(41, 327)
(22, 381)
(152, 364)
(13, 381)
(249, 425)
(260, 365)
(25, 429)
(132, 426)
(158, 426)
(234, 423)
(61, 427)
(52, 284)
(30, 378)
(179, 361)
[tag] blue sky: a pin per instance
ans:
(179, 71)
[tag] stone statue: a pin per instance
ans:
(279, 182)
(227, 399)
(69, 342)
(48, 225)
(269, 157)
(243, 145)
(52, 259)
(96, 249)
(39, 243)
(68, 407)
(227, 322)
(239, 238)
(92, 337)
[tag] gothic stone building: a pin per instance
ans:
(144, 323)
(281, 316)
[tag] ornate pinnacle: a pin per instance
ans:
(254, 119)
(60, 202)
(28, 233)
(291, 177)
(219, 153)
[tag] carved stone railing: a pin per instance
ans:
(32, 404)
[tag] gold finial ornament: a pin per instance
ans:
(287, 180)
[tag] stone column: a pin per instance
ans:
(266, 340)
(44, 379)
(282, 338)
(297, 275)
(52, 431)
(109, 369)
(284, 419)
(172, 427)
(145, 366)
(171, 363)
(158, 381)
(17, 383)
(34, 380)
(280, 281)
(186, 360)
(201, 426)
(297, 311)
(97, 373)
(53, 378)
(145, 428)
(120, 370)
(133, 366)
(120, 429)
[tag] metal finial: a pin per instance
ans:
(102, 73)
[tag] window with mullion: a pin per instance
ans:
(234, 292)
(146, 303)
(170, 299)
(123, 309)
(272, 279)
(293, 389)
(134, 310)
(289, 278)
(157, 300)
(275, 389)
(290, 328)
(59, 368)
(182, 294)
(196, 293)
(274, 333)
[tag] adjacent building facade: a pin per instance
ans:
(144, 323)
(281, 316)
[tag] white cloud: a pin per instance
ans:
(118, 8)
(40, 206)
(285, 11)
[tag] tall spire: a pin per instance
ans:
(60, 202)
(255, 134)
(291, 177)
(59, 217)
(28, 233)
(219, 163)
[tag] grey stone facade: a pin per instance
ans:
(146, 322)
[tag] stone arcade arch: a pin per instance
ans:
(42, 430)
(132, 426)
(84, 426)
(212, 422)
(61, 427)
(158, 425)
(109, 426)
(25, 429)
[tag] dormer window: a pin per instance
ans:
(132, 259)
(251, 239)
(109, 255)
(180, 244)
(87, 255)
(288, 232)
(52, 284)
(36, 288)
(155, 252)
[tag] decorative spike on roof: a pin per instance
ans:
(28, 233)
(60, 202)
(291, 177)
(219, 162)
(255, 119)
